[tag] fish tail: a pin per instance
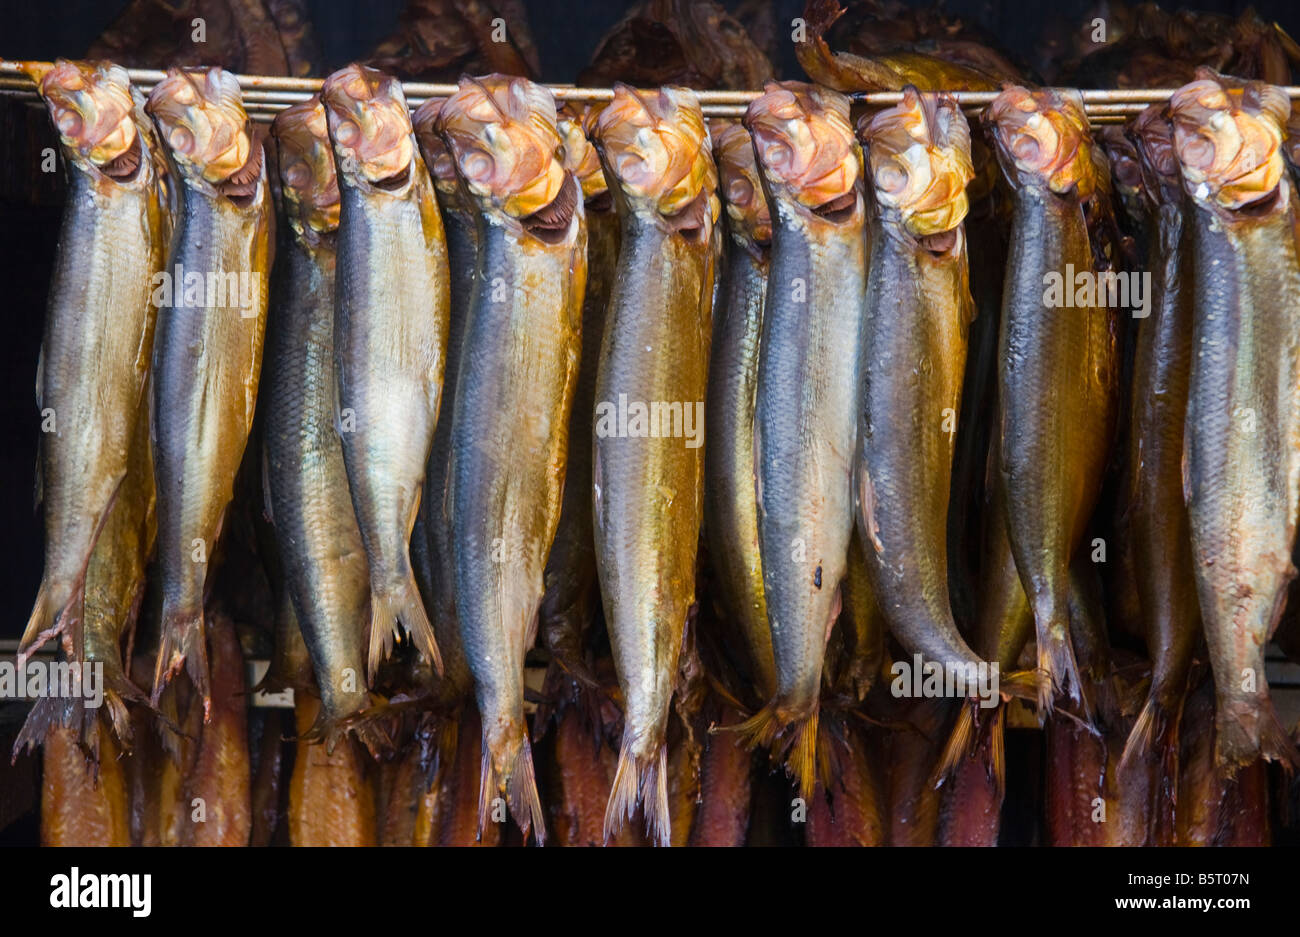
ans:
(640, 780)
(118, 691)
(796, 740)
(403, 607)
(183, 643)
(1152, 732)
(1249, 729)
(1056, 660)
(520, 785)
(47, 713)
(959, 743)
(371, 727)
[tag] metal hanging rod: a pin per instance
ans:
(265, 94)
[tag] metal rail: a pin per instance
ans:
(265, 95)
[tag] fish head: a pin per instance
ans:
(1228, 139)
(1293, 135)
(201, 118)
(1042, 139)
(92, 108)
(655, 147)
(370, 128)
(742, 189)
(307, 176)
(501, 131)
(581, 158)
(1125, 166)
(919, 156)
(1152, 134)
(805, 149)
(438, 159)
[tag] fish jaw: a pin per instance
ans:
(370, 129)
(655, 146)
(201, 118)
(502, 136)
(919, 157)
(91, 107)
(1042, 139)
(805, 146)
(307, 176)
(1153, 138)
(747, 208)
(1228, 140)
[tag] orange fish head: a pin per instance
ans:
(655, 146)
(502, 134)
(200, 116)
(580, 157)
(742, 189)
(919, 157)
(307, 177)
(369, 125)
(1228, 139)
(1042, 139)
(91, 106)
(804, 144)
(1152, 134)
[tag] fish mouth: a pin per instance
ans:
(369, 125)
(502, 132)
(839, 209)
(550, 224)
(241, 186)
(1042, 138)
(307, 175)
(941, 243)
(655, 146)
(91, 107)
(692, 222)
(1228, 139)
(201, 116)
(919, 157)
(805, 145)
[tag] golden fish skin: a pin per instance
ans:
(805, 411)
(647, 491)
(208, 352)
(319, 541)
(390, 337)
(1058, 369)
(331, 802)
(1241, 444)
(99, 329)
(730, 504)
(514, 391)
(572, 592)
(82, 803)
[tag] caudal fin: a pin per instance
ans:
(1056, 660)
(183, 644)
(793, 741)
(640, 781)
(520, 787)
(402, 607)
(1246, 730)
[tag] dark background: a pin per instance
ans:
(566, 34)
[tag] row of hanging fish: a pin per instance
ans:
(496, 334)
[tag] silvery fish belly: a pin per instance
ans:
(805, 411)
(208, 352)
(1241, 446)
(647, 476)
(99, 325)
(514, 391)
(390, 337)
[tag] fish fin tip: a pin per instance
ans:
(521, 794)
(639, 781)
(182, 644)
(403, 610)
(1150, 733)
(958, 746)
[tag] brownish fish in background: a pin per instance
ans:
(82, 803)
(331, 801)
(441, 40)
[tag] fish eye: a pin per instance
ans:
(739, 191)
(298, 175)
(1026, 148)
(181, 140)
(69, 122)
(891, 177)
(347, 132)
(477, 165)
